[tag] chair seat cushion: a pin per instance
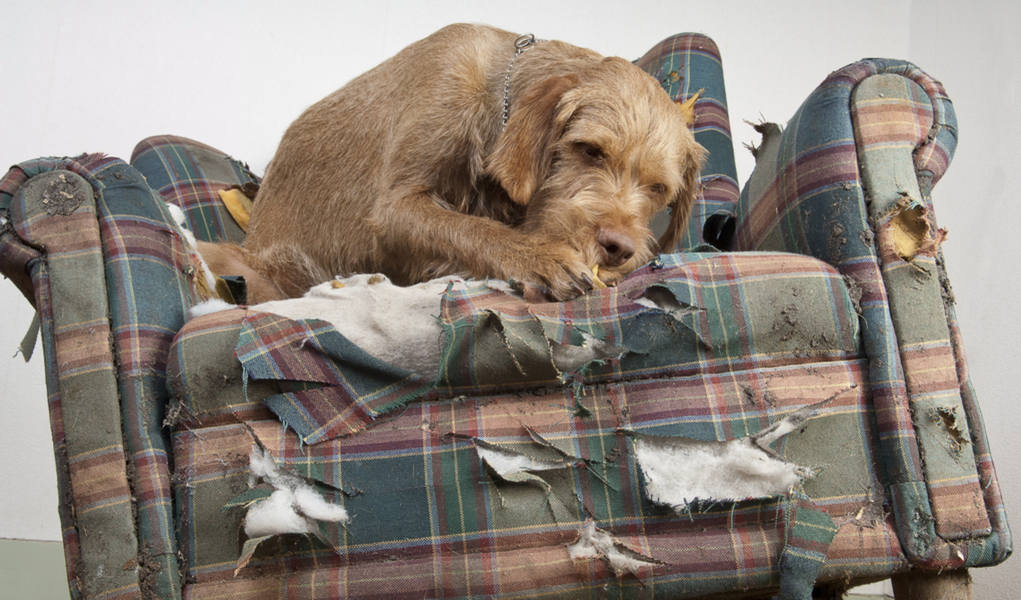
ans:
(479, 477)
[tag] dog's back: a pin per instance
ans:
(337, 161)
(414, 170)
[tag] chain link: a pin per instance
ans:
(522, 43)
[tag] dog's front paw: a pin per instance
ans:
(552, 273)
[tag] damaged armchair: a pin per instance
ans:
(780, 404)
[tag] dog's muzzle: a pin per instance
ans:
(617, 247)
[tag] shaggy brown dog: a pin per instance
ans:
(475, 154)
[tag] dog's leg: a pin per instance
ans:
(416, 224)
(274, 273)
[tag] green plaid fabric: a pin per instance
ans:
(685, 64)
(51, 204)
(189, 174)
(420, 495)
(808, 194)
(273, 348)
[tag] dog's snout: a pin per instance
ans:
(617, 247)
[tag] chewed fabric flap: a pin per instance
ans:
(329, 386)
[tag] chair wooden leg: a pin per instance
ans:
(917, 585)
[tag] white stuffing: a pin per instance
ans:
(182, 227)
(208, 307)
(275, 515)
(396, 324)
(261, 466)
(596, 543)
(679, 471)
(294, 505)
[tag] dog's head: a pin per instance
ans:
(594, 156)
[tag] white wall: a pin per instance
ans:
(234, 74)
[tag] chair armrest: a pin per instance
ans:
(849, 181)
(111, 279)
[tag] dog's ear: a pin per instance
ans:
(523, 153)
(680, 208)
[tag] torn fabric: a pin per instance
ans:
(907, 231)
(294, 505)
(279, 503)
(542, 466)
(329, 386)
(396, 324)
(594, 543)
(679, 471)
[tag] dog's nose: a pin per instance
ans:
(617, 246)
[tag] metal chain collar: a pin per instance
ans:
(522, 43)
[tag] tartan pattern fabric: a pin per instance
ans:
(454, 530)
(189, 174)
(725, 311)
(809, 532)
(807, 195)
(145, 282)
(684, 64)
(51, 206)
(893, 116)
(150, 283)
(437, 511)
(350, 388)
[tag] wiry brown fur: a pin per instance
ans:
(406, 171)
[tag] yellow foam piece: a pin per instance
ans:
(238, 205)
(688, 107)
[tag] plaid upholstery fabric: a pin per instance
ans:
(420, 496)
(150, 283)
(51, 205)
(138, 288)
(807, 195)
(893, 116)
(684, 64)
(726, 318)
(189, 174)
(279, 349)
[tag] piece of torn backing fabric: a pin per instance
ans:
(577, 379)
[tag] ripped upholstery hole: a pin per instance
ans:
(680, 471)
(911, 231)
(594, 543)
(280, 503)
(294, 505)
(947, 417)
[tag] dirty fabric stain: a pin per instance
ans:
(64, 194)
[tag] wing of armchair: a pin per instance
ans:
(792, 413)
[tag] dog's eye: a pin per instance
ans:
(658, 188)
(590, 151)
